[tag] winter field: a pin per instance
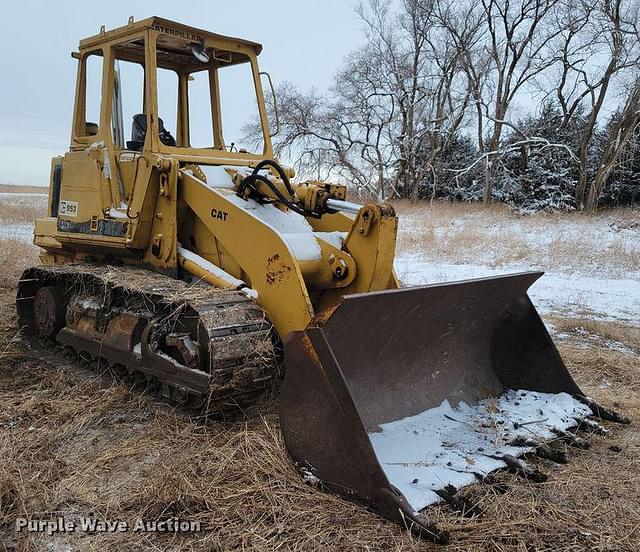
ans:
(74, 444)
(591, 263)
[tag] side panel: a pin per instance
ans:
(162, 247)
(142, 179)
(84, 192)
(82, 223)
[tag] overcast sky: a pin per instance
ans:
(304, 42)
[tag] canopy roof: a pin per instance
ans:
(168, 29)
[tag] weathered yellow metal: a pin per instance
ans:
(141, 202)
(267, 263)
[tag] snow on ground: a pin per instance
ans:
(590, 263)
(444, 445)
(21, 198)
(606, 244)
(553, 293)
(16, 213)
(22, 232)
(35, 202)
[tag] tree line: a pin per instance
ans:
(532, 102)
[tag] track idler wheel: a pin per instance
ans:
(49, 311)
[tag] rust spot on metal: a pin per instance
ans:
(321, 318)
(277, 270)
(387, 210)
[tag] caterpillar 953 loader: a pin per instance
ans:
(181, 260)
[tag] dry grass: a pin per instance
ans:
(23, 189)
(605, 242)
(606, 353)
(21, 208)
(15, 256)
(607, 330)
(76, 446)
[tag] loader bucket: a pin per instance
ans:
(385, 357)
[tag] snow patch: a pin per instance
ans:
(304, 246)
(218, 177)
(116, 214)
(294, 229)
(448, 445)
(20, 232)
(106, 165)
(286, 222)
(309, 478)
(553, 293)
(89, 303)
(20, 197)
(336, 239)
(250, 292)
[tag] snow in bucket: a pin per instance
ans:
(453, 445)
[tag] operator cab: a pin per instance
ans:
(179, 90)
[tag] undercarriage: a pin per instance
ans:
(207, 349)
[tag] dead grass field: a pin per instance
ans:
(77, 446)
(14, 254)
(497, 236)
(23, 189)
(21, 208)
(72, 445)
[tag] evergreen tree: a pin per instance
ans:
(538, 170)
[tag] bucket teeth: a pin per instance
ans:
(519, 466)
(458, 502)
(592, 426)
(602, 412)
(421, 526)
(490, 480)
(572, 439)
(542, 450)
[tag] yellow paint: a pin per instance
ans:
(139, 205)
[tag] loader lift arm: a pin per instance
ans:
(293, 289)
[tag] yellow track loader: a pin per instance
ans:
(181, 258)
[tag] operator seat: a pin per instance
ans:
(139, 133)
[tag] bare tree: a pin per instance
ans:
(462, 25)
(519, 36)
(394, 105)
(399, 43)
(433, 71)
(345, 137)
(598, 43)
(617, 138)
(423, 73)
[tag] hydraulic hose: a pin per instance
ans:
(250, 182)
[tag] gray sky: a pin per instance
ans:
(304, 42)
